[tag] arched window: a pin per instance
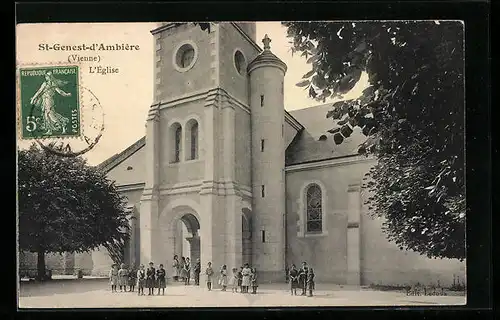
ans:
(194, 141)
(191, 139)
(178, 138)
(314, 210)
(176, 142)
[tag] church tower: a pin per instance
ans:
(198, 133)
(267, 74)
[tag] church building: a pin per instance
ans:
(225, 174)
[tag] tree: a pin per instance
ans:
(66, 205)
(412, 114)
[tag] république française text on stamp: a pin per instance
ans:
(50, 102)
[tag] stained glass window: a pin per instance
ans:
(314, 209)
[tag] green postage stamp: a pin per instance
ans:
(49, 102)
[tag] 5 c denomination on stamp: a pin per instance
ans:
(50, 102)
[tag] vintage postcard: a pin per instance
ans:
(241, 164)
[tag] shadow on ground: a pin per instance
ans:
(37, 289)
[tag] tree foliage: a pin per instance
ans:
(66, 205)
(412, 114)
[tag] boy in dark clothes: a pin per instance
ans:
(132, 278)
(197, 270)
(150, 279)
(303, 278)
(253, 281)
(240, 278)
(293, 278)
(161, 279)
(310, 281)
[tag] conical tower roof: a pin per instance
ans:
(267, 57)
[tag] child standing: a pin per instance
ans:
(141, 280)
(246, 278)
(234, 280)
(113, 277)
(209, 272)
(240, 278)
(175, 268)
(253, 280)
(310, 281)
(150, 279)
(132, 275)
(187, 271)
(223, 277)
(123, 278)
(161, 276)
(293, 276)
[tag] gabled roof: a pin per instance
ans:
(118, 158)
(307, 146)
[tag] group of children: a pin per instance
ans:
(182, 270)
(302, 278)
(241, 279)
(149, 278)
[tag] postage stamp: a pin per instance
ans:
(50, 102)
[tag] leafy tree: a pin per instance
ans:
(66, 205)
(412, 114)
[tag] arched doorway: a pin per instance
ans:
(187, 238)
(246, 236)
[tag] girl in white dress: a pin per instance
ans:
(223, 277)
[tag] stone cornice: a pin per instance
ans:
(332, 162)
(131, 187)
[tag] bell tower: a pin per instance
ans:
(201, 81)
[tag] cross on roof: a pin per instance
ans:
(266, 41)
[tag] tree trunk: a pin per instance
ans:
(40, 265)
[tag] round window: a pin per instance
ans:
(239, 62)
(185, 56)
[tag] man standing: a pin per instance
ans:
(303, 277)
(197, 270)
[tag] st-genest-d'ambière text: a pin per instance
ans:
(91, 54)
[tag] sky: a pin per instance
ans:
(127, 95)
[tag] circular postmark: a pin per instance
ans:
(88, 124)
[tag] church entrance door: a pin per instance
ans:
(187, 242)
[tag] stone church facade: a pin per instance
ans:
(226, 175)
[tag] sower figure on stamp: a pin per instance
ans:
(44, 98)
(150, 279)
(187, 271)
(197, 270)
(209, 272)
(161, 279)
(141, 280)
(310, 281)
(303, 277)
(293, 278)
